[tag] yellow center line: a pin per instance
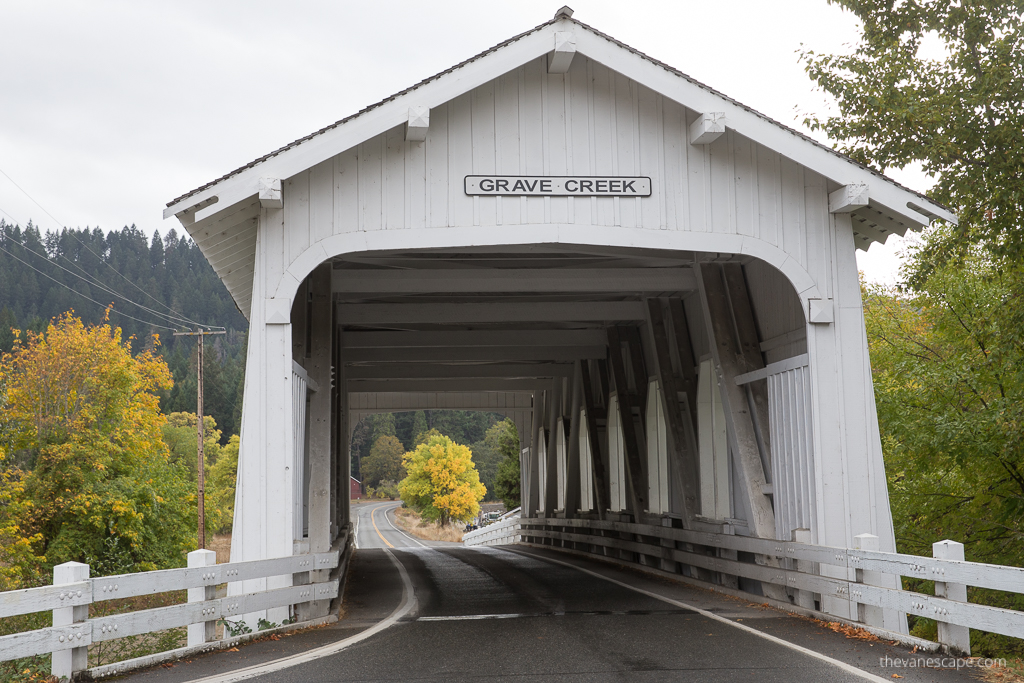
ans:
(373, 519)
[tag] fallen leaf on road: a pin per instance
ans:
(233, 649)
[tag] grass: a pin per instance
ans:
(411, 521)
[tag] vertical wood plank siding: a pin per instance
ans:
(590, 121)
(299, 388)
(789, 406)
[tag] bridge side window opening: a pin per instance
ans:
(542, 471)
(560, 464)
(713, 445)
(657, 451)
(616, 458)
(586, 466)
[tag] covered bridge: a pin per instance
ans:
(657, 283)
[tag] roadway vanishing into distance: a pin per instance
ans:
(420, 611)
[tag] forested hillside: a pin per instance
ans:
(43, 275)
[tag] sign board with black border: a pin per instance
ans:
(558, 186)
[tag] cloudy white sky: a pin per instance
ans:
(109, 109)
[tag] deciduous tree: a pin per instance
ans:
(442, 484)
(101, 489)
(940, 83)
(384, 462)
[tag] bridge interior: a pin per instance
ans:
(569, 341)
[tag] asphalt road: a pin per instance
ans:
(376, 528)
(529, 614)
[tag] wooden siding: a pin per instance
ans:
(588, 121)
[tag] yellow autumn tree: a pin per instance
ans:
(442, 483)
(80, 416)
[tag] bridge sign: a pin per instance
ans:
(558, 186)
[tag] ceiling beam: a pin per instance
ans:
(494, 354)
(401, 339)
(500, 312)
(508, 280)
(441, 385)
(439, 371)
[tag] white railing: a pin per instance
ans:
(499, 533)
(792, 564)
(73, 591)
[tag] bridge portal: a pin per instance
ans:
(657, 283)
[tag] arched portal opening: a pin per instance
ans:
(645, 384)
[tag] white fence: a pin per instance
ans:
(795, 568)
(499, 533)
(73, 591)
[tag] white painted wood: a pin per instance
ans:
(64, 663)
(560, 59)
(560, 464)
(356, 340)
(586, 465)
(367, 314)
(956, 638)
(715, 494)
(708, 127)
(482, 353)
(848, 198)
(206, 631)
(270, 193)
(868, 614)
(821, 312)
(499, 385)
(657, 451)
(790, 420)
(619, 495)
(440, 371)
(44, 598)
(772, 369)
(360, 282)
(418, 124)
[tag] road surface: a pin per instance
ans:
(528, 614)
(376, 528)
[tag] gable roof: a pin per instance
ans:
(893, 208)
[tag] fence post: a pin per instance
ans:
(956, 639)
(804, 598)
(867, 614)
(65, 663)
(206, 631)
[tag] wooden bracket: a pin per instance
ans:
(270, 193)
(565, 50)
(418, 124)
(848, 198)
(708, 128)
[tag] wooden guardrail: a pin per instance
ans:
(73, 591)
(951, 574)
(504, 532)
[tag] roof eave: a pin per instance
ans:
(244, 184)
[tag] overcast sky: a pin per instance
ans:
(110, 109)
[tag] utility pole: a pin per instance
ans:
(201, 474)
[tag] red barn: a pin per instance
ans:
(355, 488)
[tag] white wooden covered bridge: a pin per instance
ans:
(657, 283)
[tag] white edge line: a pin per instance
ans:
(849, 668)
(474, 617)
(411, 538)
(408, 603)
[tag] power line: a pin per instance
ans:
(147, 322)
(103, 287)
(86, 247)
